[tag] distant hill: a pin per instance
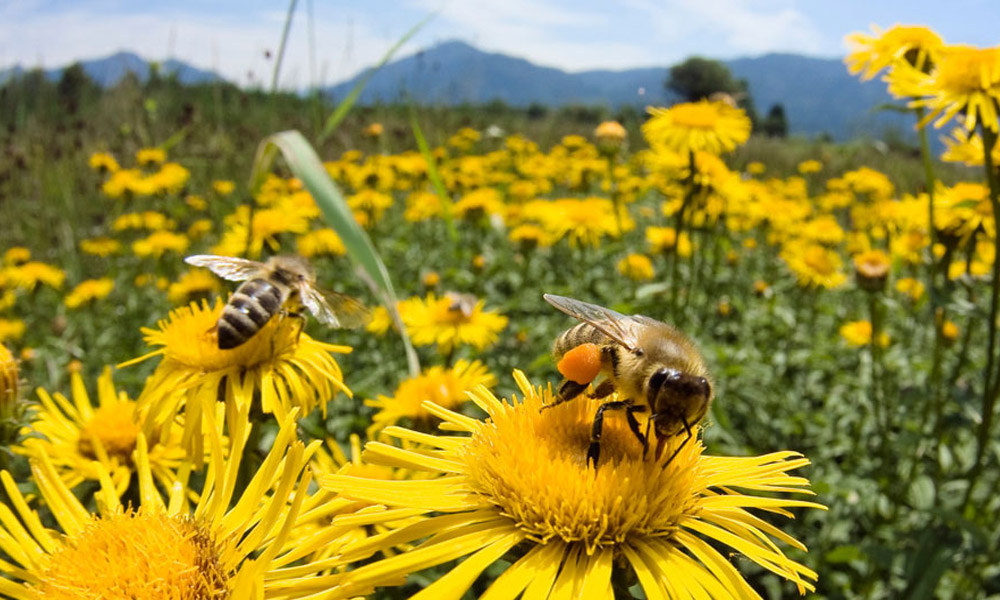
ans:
(818, 94)
(109, 70)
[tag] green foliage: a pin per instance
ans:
(698, 78)
(775, 125)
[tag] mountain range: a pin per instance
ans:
(818, 95)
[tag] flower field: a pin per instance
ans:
(844, 300)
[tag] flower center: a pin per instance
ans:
(818, 260)
(138, 556)
(115, 428)
(695, 116)
(532, 464)
(190, 338)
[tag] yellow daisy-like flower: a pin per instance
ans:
(82, 441)
(479, 203)
(150, 219)
(371, 202)
(870, 53)
(11, 329)
(756, 168)
(159, 243)
(423, 206)
(101, 246)
(321, 242)
(872, 269)
(450, 321)
(9, 382)
(662, 240)
(103, 162)
(814, 265)
(199, 228)
(16, 256)
(30, 275)
(965, 80)
(914, 288)
(578, 525)
(810, 166)
(223, 187)
(89, 290)
(703, 126)
(445, 387)
(584, 222)
(150, 156)
(192, 283)
(963, 209)
(166, 548)
(529, 236)
(859, 333)
(637, 267)
(280, 364)
(966, 148)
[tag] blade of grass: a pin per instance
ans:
(281, 47)
(344, 107)
(306, 165)
(433, 174)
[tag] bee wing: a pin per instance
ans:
(333, 308)
(620, 328)
(227, 267)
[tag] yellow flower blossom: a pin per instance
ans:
(86, 291)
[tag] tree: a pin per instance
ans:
(698, 78)
(74, 84)
(775, 124)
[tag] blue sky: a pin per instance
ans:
(232, 36)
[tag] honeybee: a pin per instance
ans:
(463, 304)
(282, 284)
(652, 365)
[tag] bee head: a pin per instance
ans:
(675, 397)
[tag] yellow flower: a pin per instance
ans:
(962, 210)
(965, 80)
(529, 236)
(91, 289)
(585, 222)
(810, 166)
(450, 321)
(872, 269)
(703, 126)
(30, 274)
(756, 168)
(859, 333)
(430, 279)
(9, 382)
(150, 156)
(151, 220)
(949, 331)
(11, 329)
(914, 288)
(160, 242)
(967, 148)
(373, 130)
(122, 183)
(870, 53)
(82, 440)
(234, 543)
(280, 365)
(199, 228)
(223, 187)
(814, 265)
(576, 524)
(637, 267)
(445, 387)
(479, 203)
(101, 246)
(196, 202)
(192, 283)
(610, 136)
(372, 202)
(16, 256)
(422, 206)
(663, 240)
(103, 162)
(320, 242)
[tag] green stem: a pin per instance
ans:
(989, 388)
(281, 46)
(678, 228)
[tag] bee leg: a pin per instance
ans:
(633, 424)
(594, 452)
(690, 435)
(645, 446)
(568, 390)
(604, 390)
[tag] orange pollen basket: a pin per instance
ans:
(581, 364)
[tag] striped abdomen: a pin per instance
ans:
(251, 307)
(581, 333)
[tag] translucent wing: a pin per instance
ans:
(227, 267)
(618, 327)
(333, 308)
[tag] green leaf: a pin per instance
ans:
(922, 492)
(433, 174)
(344, 107)
(926, 565)
(843, 554)
(306, 165)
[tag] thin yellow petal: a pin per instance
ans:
(457, 582)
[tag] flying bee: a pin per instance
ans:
(652, 365)
(463, 304)
(283, 284)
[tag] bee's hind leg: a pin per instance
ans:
(568, 390)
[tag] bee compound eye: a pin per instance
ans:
(705, 387)
(658, 378)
